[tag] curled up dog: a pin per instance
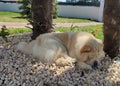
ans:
(55, 47)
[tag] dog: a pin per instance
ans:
(55, 47)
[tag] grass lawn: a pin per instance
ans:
(63, 29)
(70, 20)
(11, 17)
(89, 29)
(18, 30)
(16, 17)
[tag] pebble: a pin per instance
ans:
(18, 69)
(1, 81)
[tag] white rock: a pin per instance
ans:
(1, 81)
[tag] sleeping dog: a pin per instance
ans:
(56, 47)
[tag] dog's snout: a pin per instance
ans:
(95, 64)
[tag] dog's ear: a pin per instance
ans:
(85, 49)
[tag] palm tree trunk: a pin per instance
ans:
(42, 11)
(112, 27)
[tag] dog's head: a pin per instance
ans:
(91, 52)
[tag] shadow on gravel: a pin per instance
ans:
(105, 75)
(19, 69)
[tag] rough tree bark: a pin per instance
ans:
(112, 27)
(42, 11)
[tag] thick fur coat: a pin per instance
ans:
(55, 47)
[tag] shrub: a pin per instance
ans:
(26, 8)
(55, 13)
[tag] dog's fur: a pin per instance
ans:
(53, 47)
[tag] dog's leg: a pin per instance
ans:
(84, 66)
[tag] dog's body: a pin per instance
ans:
(50, 47)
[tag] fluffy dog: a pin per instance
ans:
(55, 47)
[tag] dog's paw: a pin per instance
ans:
(62, 62)
(84, 66)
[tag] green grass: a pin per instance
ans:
(11, 17)
(70, 20)
(16, 30)
(64, 29)
(16, 17)
(83, 28)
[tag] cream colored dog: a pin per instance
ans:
(54, 47)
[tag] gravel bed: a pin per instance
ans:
(18, 69)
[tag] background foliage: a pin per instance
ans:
(26, 8)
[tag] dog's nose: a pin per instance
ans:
(95, 64)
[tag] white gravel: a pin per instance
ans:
(18, 69)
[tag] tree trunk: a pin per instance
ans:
(42, 11)
(112, 27)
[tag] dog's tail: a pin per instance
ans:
(25, 47)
